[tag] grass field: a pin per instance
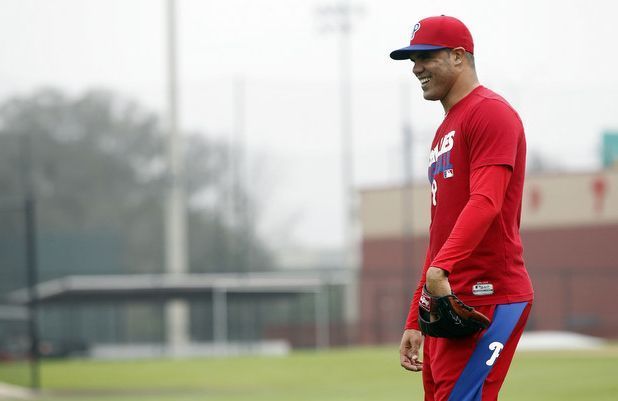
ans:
(365, 374)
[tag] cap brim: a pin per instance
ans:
(404, 53)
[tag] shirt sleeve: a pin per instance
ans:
(487, 189)
(493, 134)
(412, 320)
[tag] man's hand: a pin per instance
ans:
(411, 342)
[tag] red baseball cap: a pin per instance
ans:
(433, 33)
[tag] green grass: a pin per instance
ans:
(360, 374)
(15, 372)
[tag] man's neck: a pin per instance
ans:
(462, 88)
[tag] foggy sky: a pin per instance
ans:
(553, 60)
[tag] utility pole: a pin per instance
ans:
(176, 310)
(30, 237)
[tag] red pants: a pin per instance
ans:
(473, 368)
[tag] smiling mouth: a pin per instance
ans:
(424, 81)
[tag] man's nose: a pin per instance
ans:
(417, 68)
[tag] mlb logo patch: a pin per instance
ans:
(448, 173)
(483, 289)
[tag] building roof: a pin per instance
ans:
(131, 287)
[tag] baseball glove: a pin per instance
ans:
(451, 317)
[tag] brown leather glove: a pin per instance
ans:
(452, 317)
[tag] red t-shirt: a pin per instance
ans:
(480, 130)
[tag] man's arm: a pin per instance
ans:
(412, 338)
(412, 320)
(487, 190)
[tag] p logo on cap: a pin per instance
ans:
(416, 27)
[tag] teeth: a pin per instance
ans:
(424, 80)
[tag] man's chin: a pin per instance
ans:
(430, 96)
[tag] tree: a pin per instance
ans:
(98, 169)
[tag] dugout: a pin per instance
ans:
(225, 308)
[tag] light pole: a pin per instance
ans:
(176, 310)
(339, 18)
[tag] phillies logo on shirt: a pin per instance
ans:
(440, 157)
(440, 162)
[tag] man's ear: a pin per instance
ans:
(459, 54)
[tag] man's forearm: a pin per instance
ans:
(437, 282)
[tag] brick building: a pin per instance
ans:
(570, 235)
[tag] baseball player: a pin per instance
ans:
(474, 295)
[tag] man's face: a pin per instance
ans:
(436, 72)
